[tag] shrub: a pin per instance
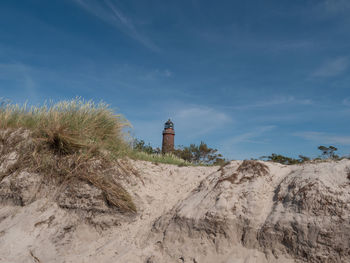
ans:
(278, 158)
(328, 152)
(140, 145)
(200, 154)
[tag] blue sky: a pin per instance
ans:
(249, 78)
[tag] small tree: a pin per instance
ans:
(328, 152)
(303, 158)
(278, 158)
(200, 154)
(140, 145)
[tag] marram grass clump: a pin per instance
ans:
(69, 126)
(66, 141)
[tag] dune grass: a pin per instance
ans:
(69, 126)
(67, 139)
(78, 126)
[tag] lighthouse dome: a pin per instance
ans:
(169, 125)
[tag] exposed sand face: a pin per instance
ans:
(292, 212)
(185, 214)
(45, 231)
(163, 186)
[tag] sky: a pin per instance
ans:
(248, 78)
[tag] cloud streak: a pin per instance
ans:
(248, 136)
(200, 120)
(324, 138)
(108, 11)
(332, 68)
(346, 101)
(192, 123)
(336, 6)
(278, 100)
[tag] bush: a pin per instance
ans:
(140, 145)
(200, 154)
(328, 152)
(278, 158)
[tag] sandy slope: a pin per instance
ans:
(292, 212)
(185, 214)
(43, 230)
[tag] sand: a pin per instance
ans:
(184, 214)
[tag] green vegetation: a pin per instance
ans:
(200, 154)
(184, 155)
(168, 158)
(140, 146)
(278, 158)
(328, 153)
(142, 151)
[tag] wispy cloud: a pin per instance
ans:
(192, 123)
(200, 120)
(346, 101)
(291, 45)
(336, 6)
(249, 136)
(233, 36)
(158, 73)
(277, 100)
(108, 11)
(324, 138)
(332, 68)
(236, 146)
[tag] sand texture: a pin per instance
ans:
(244, 212)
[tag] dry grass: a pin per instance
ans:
(59, 169)
(253, 167)
(248, 167)
(232, 178)
(66, 140)
(78, 126)
(69, 126)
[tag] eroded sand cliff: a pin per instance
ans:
(243, 212)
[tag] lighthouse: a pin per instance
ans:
(168, 137)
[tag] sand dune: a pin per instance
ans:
(244, 212)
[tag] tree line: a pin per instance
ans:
(203, 154)
(326, 153)
(197, 154)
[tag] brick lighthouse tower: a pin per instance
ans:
(168, 137)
